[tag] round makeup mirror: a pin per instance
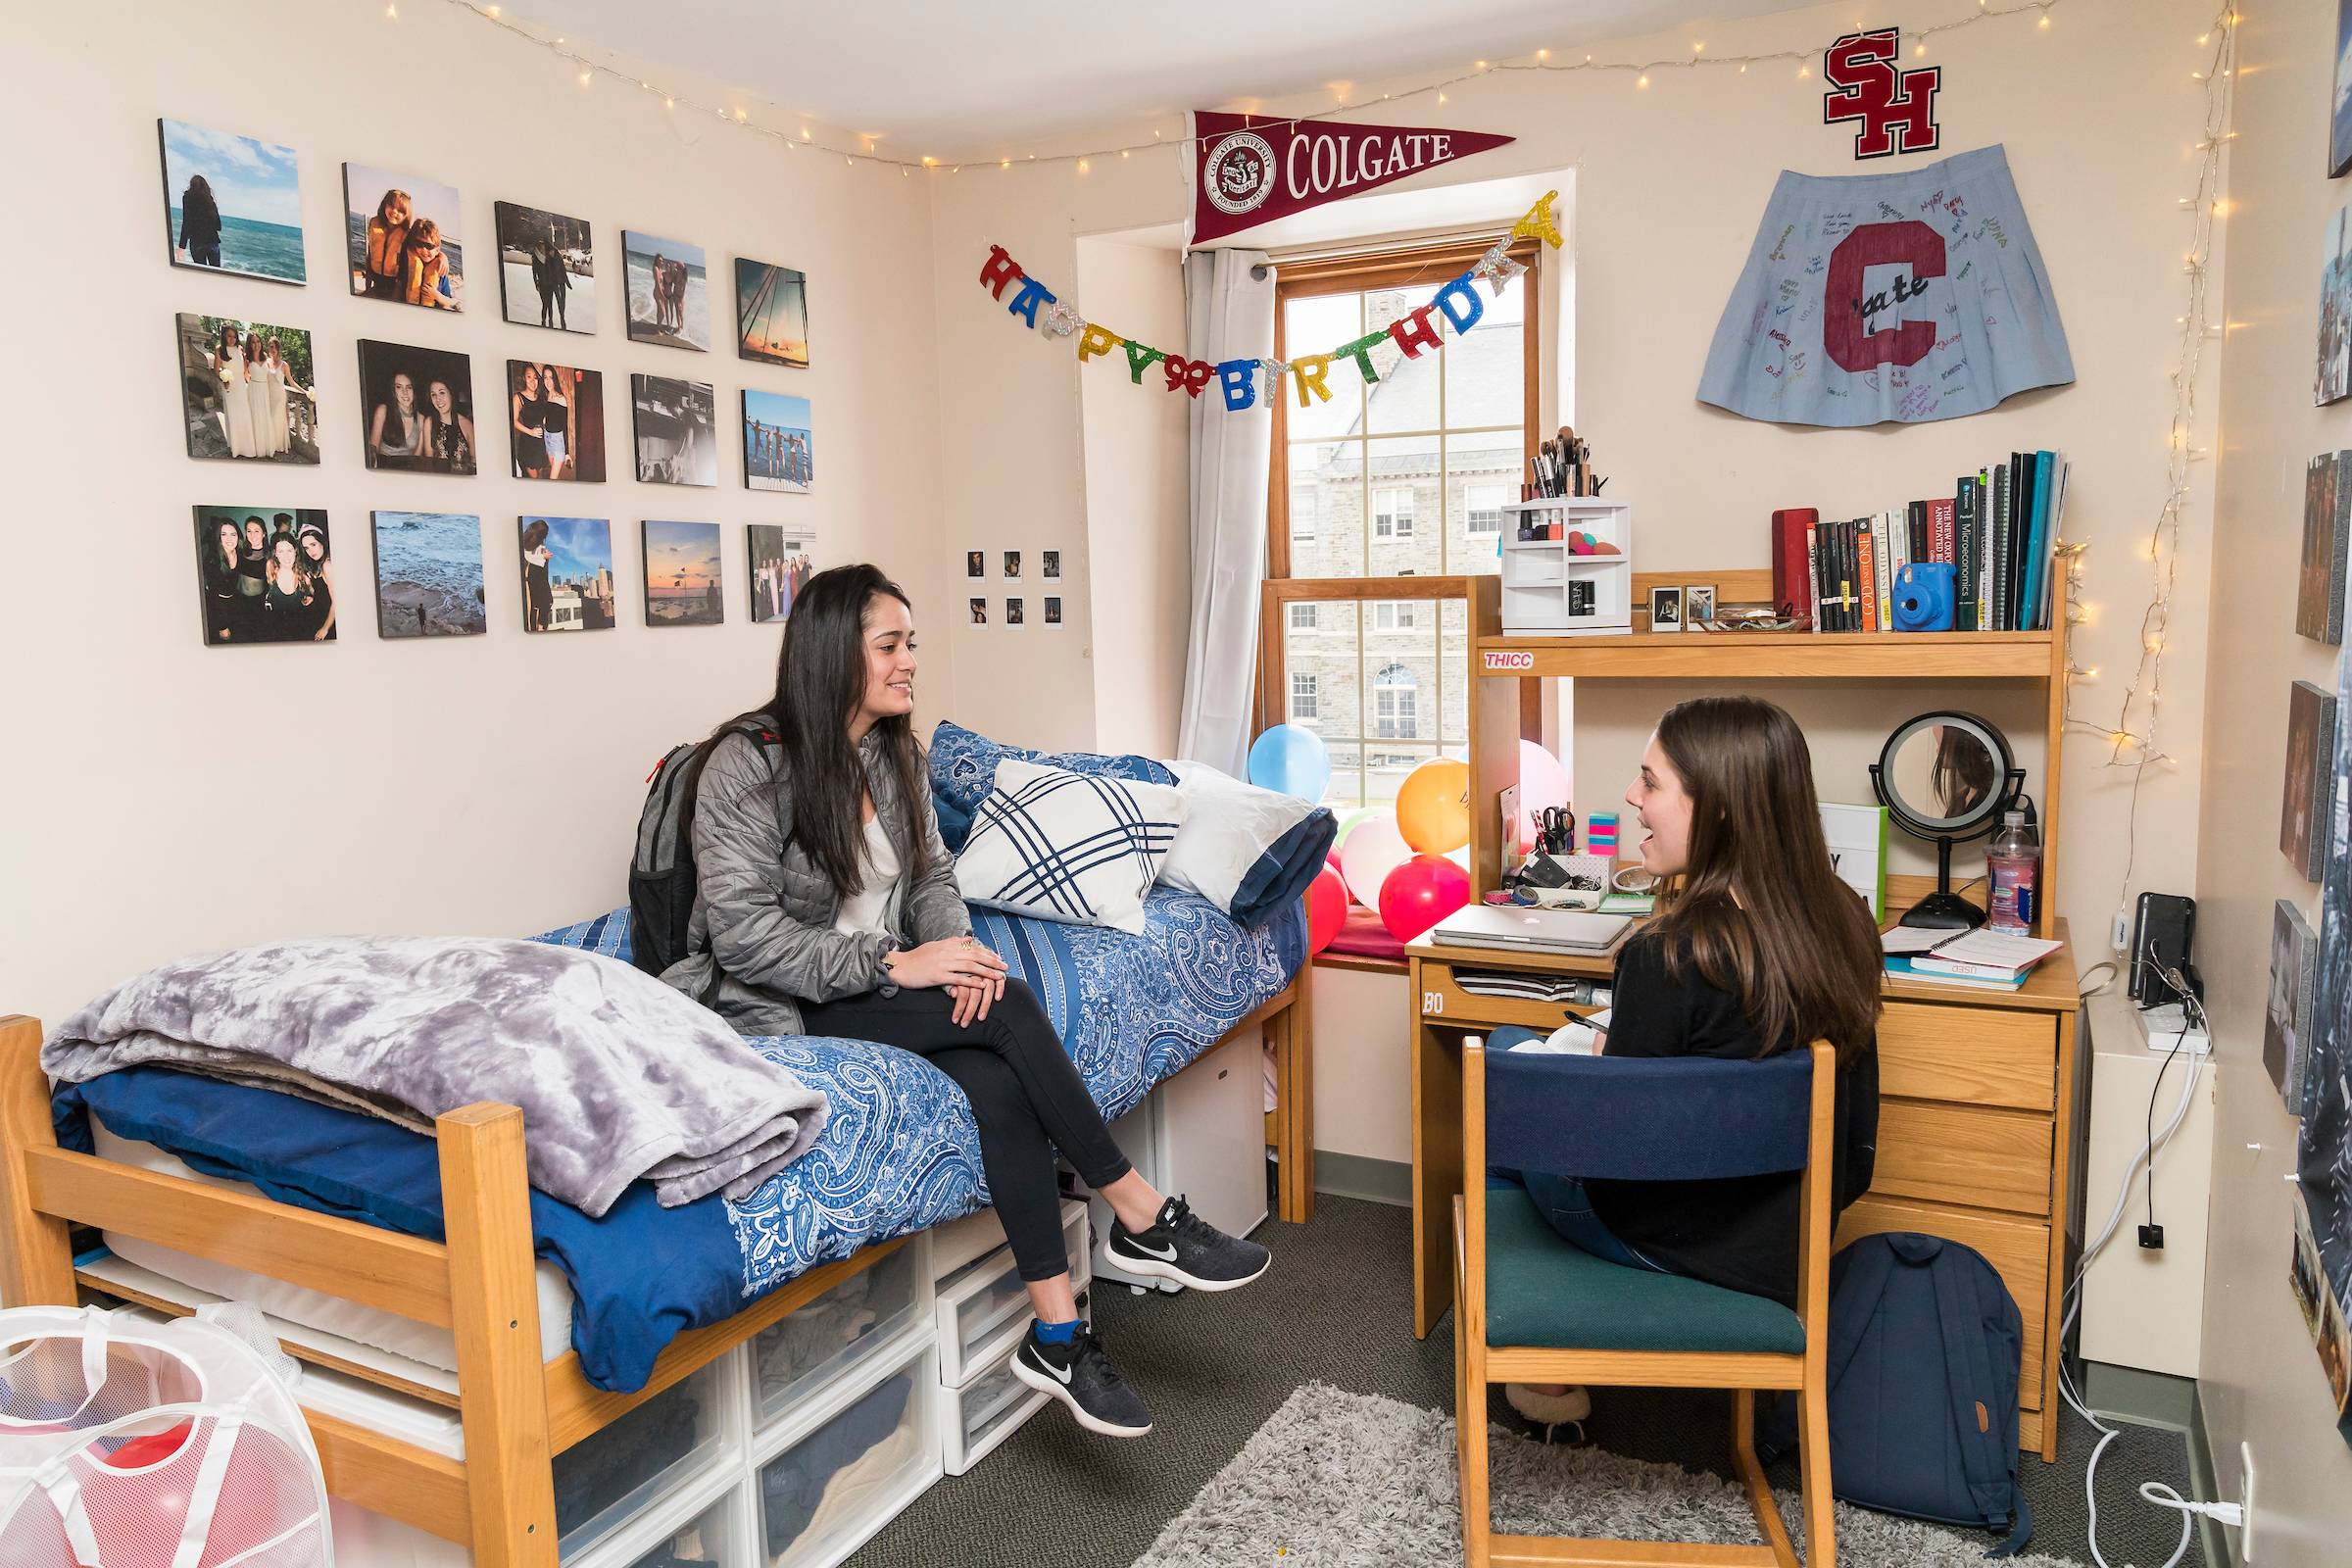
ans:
(1946, 777)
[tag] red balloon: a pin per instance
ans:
(1326, 908)
(1420, 893)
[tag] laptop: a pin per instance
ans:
(1567, 931)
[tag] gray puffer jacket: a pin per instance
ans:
(763, 908)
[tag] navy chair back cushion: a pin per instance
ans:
(1639, 1119)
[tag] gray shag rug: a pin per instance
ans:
(1340, 1480)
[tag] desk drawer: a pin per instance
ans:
(1978, 1056)
(1442, 1000)
(2018, 1249)
(1960, 1154)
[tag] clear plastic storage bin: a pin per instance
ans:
(613, 1474)
(828, 1338)
(867, 1450)
(984, 1413)
(984, 1307)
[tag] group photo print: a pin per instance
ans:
(555, 418)
(783, 561)
(682, 574)
(428, 574)
(547, 268)
(265, 574)
(404, 235)
(417, 407)
(677, 430)
(232, 204)
(248, 390)
(771, 313)
(778, 453)
(668, 295)
(568, 582)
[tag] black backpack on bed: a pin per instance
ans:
(662, 878)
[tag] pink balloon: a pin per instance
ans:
(1543, 782)
(1420, 893)
(1372, 850)
(1326, 908)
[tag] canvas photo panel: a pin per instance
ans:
(428, 574)
(2332, 377)
(677, 433)
(555, 418)
(567, 578)
(2326, 529)
(2340, 124)
(778, 451)
(265, 574)
(668, 296)
(406, 239)
(2303, 818)
(232, 204)
(546, 268)
(781, 562)
(771, 313)
(682, 574)
(417, 408)
(248, 389)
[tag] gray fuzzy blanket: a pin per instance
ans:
(617, 1075)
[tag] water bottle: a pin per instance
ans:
(2012, 867)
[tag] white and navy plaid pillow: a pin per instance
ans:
(1068, 847)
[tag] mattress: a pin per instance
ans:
(299, 1306)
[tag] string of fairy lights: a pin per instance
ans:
(772, 121)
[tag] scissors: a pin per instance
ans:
(1556, 825)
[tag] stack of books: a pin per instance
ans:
(1998, 531)
(1989, 958)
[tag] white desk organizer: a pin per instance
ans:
(1549, 590)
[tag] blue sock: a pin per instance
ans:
(1057, 1333)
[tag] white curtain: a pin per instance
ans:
(1229, 315)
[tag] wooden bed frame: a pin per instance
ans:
(517, 1412)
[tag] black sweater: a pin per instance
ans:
(1738, 1232)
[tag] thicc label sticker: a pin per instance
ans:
(1510, 659)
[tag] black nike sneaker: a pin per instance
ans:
(1080, 1375)
(1183, 1246)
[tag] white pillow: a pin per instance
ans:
(1068, 847)
(1228, 825)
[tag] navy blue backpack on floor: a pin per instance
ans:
(1924, 1351)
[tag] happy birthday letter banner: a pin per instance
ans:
(1458, 301)
(1248, 170)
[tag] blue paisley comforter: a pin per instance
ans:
(899, 1153)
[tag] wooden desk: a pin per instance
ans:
(1976, 1130)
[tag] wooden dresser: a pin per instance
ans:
(1977, 1130)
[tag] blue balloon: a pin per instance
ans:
(1291, 761)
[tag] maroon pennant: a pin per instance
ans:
(1248, 170)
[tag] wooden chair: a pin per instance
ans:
(1532, 1308)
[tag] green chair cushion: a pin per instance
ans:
(1544, 1292)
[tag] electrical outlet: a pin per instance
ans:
(2245, 1495)
(2151, 1237)
(2119, 934)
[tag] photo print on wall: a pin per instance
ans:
(2327, 528)
(248, 390)
(428, 574)
(783, 561)
(2323, 1143)
(668, 298)
(682, 574)
(2340, 124)
(568, 582)
(556, 421)
(546, 268)
(778, 452)
(771, 313)
(417, 407)
(404, 236)
(1051, 615)
(265, 574)
(232, 204)
(677, 433)
(2332, 379)
(1012, 565)
(2287, 1015)
(2309, 800)
(1017, 614)
(975, 566)
(1049, 564)
(977, 611)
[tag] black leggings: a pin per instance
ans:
(1026, 1096)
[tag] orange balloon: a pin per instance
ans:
(1433, 807)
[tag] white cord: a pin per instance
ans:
(2192, 1010)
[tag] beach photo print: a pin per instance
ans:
(428, 574)
(682, 574)
(232, 204)
(546, 268)
(404, 238)
(669, 300)
(778, 452)
(771, 313)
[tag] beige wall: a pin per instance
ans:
(2261, 1380)
(164, 796)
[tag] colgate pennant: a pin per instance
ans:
(1248, 169)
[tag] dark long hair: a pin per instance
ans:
(820, 684)
(1759, 907)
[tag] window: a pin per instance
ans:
(1305, 694)
(1396, 704)
(1305, 505)
(1483, 506)
(1396, 615)
(1304, 616)
(1393, 514)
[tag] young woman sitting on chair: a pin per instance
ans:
(1756, 949)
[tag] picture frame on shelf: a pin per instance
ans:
(1698, 604)
(1665, 609)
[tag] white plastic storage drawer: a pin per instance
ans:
(958, 1244)
(984, 1413)
(984, 1308)
(613, 1474)
(718, 1536)
(797, 1355)
(866, 1451)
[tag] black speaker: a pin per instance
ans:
(2162, 929)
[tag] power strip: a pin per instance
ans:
(2162, 1029)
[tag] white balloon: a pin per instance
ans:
(1372, 850)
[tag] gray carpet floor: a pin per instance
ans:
(1336, 1307)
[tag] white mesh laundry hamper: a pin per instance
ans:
(133, 1445)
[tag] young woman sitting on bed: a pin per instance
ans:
(827, 905)
(1756, 949)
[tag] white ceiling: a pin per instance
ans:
(962, 77)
